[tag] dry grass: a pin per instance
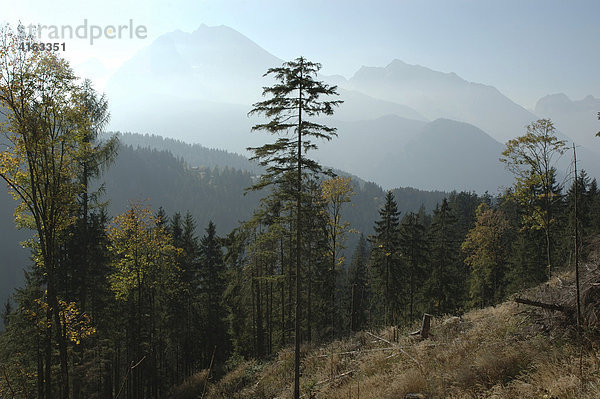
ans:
(507, 351)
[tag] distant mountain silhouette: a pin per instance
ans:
(199, 87)
(444, 95)
(576, 119)
(440, 155)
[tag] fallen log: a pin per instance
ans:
(549, 306)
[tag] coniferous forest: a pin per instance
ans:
(255, 256)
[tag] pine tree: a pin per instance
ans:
(358, 286)
(293, 99)
(413, 244)
(445, 287)
(212, 270)
(386, 256)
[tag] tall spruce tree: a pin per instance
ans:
(358, 286)
(292, 100)
(386, 256)
(445, 287)
(212, 269)
(413, 244)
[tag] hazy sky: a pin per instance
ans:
(525, 48)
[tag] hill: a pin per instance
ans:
(182, 177)
(506, 351)
(440, 155)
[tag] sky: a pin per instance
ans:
(525, 48)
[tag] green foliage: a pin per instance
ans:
(414, 248)
(386, 261)
(357, 292)
(532, 158)
(444, 287)
(294, 98)
(487, 251)
(141, 251)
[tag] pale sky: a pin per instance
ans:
(525, 48)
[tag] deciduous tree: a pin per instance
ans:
(532, 159)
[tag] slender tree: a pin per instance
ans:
(386, 254)
(413, 244)
(532, 159)
(335, 192)
(50, 125)
(444, 288)
(292, 101)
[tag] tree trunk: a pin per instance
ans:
(298, 247)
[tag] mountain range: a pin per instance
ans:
(199, 87)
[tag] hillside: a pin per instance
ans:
(506, 351)
(182, 177)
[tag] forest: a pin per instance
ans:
(131, 304)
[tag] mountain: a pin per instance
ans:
(575, 118)
(369, 148)
(440, 155)
(212, 63)
(194, 155)
(358, 106)
(444, 95)
(199, 86)
(450, 155)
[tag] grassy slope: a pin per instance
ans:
(507, 351)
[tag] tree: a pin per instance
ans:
(51, 123)
(335, 192)
(357, 280)
(532, 159)
(144, 271)
(386, 253)
(293, 98)
(444, 287)
(487, 254)
(212, 286)
(413, 245)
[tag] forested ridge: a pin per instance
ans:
(218, 265)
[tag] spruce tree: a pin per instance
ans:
(445, 287)
(358, 290)
(212, 282)
(386, 256)
(413, 244)
(293, 99)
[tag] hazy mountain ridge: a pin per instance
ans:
(440, 155)
(195, 155)
(575, 118)
(199, 87)
(444, 95)
(211, 63)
